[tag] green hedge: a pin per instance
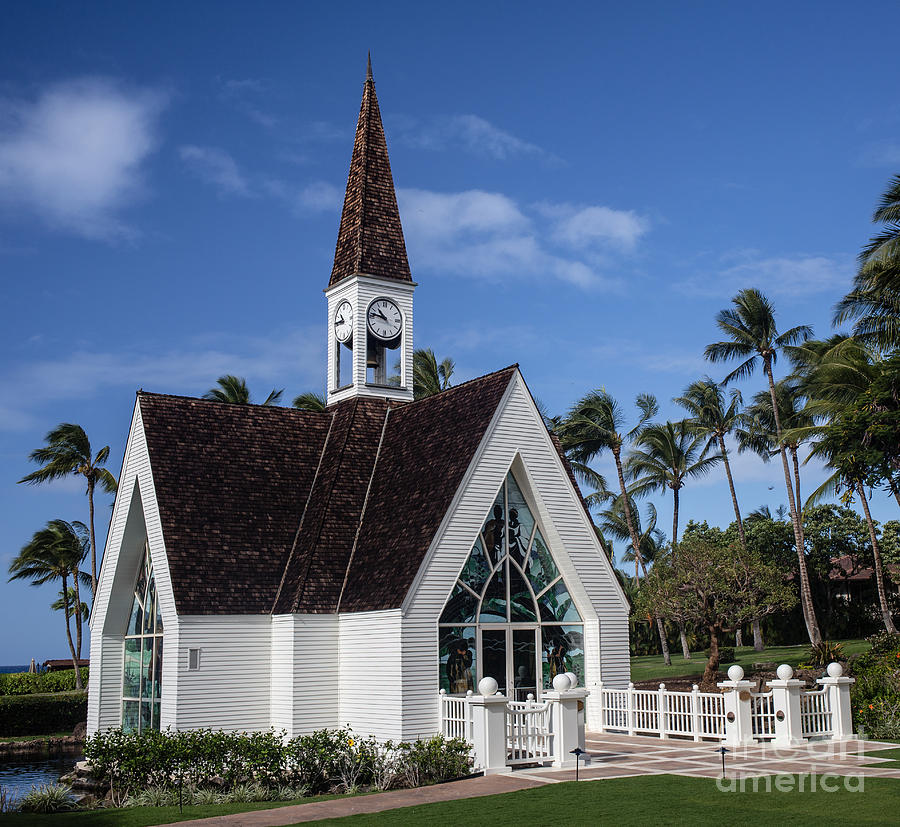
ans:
(726, 654)
(41, 714)
(28, 683)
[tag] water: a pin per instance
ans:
(8, 669)
(18, 776)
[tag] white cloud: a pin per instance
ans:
(588, 226)
(489, 235)
(243, 94)
(880, 154)
(470, 132)
(274, 361)
(796, 275)
(74, 155)
(216, 167)
(320, 196)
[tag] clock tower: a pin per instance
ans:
(370, 293)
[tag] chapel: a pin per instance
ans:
(272, 568)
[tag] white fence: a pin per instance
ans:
(528, 732)
(762, 715)
(456, 719)
(816, 720)
(660, 712)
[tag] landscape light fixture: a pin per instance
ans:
(577, 752)
(722, 750)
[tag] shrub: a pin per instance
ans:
(726, 654)
(209, 763)
(825, 652)
(41, 714)
(875, 697)
(29, 683)
(48, 798)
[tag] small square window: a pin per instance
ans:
(193, 659)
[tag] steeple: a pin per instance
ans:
(370, 240)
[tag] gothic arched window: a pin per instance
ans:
(509, 604)
(142, 682)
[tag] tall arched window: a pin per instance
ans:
(142, 683)
(510, 615)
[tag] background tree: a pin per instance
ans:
(56, 553)
(429, 375)
(716, 586)
(67, 452)
(234, 390)
(874, 301)
(594, 425)
(309, 401)
(753, 337)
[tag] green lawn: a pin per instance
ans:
(143, 816)
(9, 738)
(664, 799)
(651, 667)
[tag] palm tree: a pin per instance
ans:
(753, 337)
(68, 451)
(309, 401)
(593, 425)
(664, 457)
(834, 374)
(874, 301)
(714, 417)
(70, 598)
(233, 389)
(429, 376)
(55, 553)
(650, 539)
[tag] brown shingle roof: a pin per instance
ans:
(268, 509)
(370, 239)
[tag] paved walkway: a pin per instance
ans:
(611, 756)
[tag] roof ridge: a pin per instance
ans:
(443, 394)
(252, 405)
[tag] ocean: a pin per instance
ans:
(6, 669)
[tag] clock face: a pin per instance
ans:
(384, 319)
(343, 322)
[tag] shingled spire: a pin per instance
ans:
(370, 240)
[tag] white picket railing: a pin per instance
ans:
(662, 712)
(762, 715)
(456, 719)
(815, 714)
(528, 732)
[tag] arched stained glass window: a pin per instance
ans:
(142, 683)
(510, 614)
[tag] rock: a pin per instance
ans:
(80, 730)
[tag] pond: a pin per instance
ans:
(19, 775)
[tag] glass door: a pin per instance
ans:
(524, 664)
(492, 663)
(510, 656)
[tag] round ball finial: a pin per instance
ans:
(784, 672)
(735, 673)
(573, 679)
(561, 683)
(834, 670)
(488, 687)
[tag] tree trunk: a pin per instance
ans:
(711, 672)
(739, 636)
(758, 644)
(685, 650)
(879, 572)
(895, 491)
(809, 612)
(797, 486)
(78, 618)
(663, 642)
(90, 492)
(734, 502)
(65, 588)
(674, 520)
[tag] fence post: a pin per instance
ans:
(630, 708)
(786, 702)
(567, 734)
(601, 703)
(838, 688)
(736, 694)
(489, 727)
(661, 710)
(695, 711)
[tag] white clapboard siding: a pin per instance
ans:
(135, 518)
(304, 693)
(231, 689)
(370, 679)
(517, 440)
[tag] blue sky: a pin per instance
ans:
(582, 188)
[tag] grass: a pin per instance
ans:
(6, 739)
(662, 799)
(893, 754)
(651, 667)
(145, 816)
